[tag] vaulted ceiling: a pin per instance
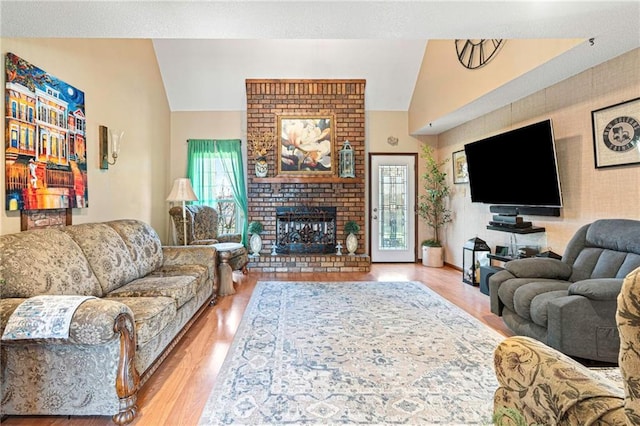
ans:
(206, 49)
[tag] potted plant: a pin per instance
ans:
(432, 206)
(351, 228)
(255, 242)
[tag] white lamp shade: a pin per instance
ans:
(182, 191)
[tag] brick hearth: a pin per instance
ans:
(310, 263)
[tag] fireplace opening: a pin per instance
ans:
(305, 230)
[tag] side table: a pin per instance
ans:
(485, 274)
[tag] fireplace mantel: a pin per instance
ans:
(307, 179)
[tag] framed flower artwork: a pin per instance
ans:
(306, 145)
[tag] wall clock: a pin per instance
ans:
(475, 53)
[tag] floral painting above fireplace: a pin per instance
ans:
(307, 145)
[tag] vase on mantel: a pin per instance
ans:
(262, 167)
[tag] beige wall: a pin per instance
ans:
(123, 89)
(454, 86)
(201, 125)
(382, 124)
(588, 193)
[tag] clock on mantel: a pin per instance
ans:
(476, 53)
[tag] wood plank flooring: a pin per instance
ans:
(177, 392)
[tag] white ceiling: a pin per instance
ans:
(206, 49)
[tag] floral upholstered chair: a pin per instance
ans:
(202, 226)
(202, 229)
(539, 385)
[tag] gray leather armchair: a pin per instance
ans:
(570, 304)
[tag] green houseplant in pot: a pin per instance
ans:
(432, 206)
(255, 242)
(351, 228)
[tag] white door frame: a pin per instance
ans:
(412, 256)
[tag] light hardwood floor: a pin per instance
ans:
(177, 392)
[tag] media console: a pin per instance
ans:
(529, 230)
(513, 223)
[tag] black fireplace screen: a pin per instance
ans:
(305, 230)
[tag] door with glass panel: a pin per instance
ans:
(392, 207)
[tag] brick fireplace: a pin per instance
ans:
(343, 99)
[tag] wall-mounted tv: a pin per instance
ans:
(515, 168)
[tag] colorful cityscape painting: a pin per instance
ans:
(45, 141)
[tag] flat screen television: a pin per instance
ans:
(515, 168)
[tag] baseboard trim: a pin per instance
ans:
(451, 265)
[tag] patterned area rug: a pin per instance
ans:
(357, 352)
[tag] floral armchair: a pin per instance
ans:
(202, 229)
(202, 226)
(539, 385)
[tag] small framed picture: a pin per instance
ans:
(460, 172)
(616, 134)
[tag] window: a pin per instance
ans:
(219, 194)
(216, 172)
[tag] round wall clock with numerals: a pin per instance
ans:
(475, 53)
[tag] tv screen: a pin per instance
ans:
(516, 168)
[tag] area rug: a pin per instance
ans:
(354, 353)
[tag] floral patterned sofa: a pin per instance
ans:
(143, 298)
(539, 385)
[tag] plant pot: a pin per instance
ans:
(352, 243)
(433, 256)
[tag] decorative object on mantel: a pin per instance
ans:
(261, 143)
(347, 162)
(351, 228)
(392, 140)
(307, 145)
(338, 249)
(432, 207)
(182, 191)
(616, 134)
(255, 242)
(274, 248)
(45, 149)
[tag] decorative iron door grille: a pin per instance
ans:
(305, 230)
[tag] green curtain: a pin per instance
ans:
(200, 158)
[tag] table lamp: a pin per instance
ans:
(182, 191)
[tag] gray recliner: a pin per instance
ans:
(570, 304)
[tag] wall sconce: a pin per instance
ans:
(346, 161)
(116, 139)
